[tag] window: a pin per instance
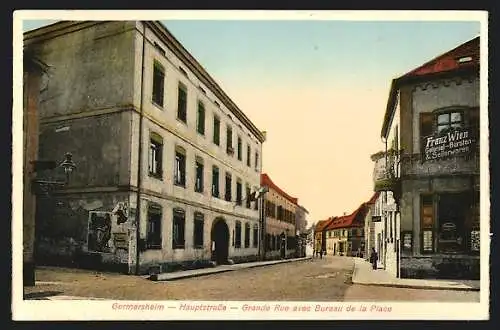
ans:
(182, 103)
(237, 236)
(216, 139)
(200, 127)
(453, 210)
(158, 83)
(255, 235)
(229, 140)
(248, 192)
(155, 155)
(239, 196)
(198, 230)
(153, 235)
(247, 235)
(256, 202)
(178, 229)
(227, 195)
(215, 181)
(448, 121)
(240, 152)
(180, 167)
(199, 168)
(280, 213)
(256, 160)
(248, 156)
(427, 223)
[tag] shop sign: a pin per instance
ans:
(458, 142)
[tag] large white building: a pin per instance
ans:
(162, 152)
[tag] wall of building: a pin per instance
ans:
(175, 133)
(450, 175)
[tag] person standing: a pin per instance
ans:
(374, 258)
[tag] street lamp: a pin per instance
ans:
(68, 165)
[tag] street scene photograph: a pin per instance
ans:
(257, 164)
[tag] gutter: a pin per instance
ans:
(139, 166)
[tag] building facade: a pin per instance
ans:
(167, 162)
(437, 189)
(279, 211)
(320, 235)
(383, 224)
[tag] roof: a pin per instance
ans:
(303, 209)
(356, 218)
(173, 44)
(322, 224)
(265, 180)
(463, 58)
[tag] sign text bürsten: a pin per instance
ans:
(450, 144)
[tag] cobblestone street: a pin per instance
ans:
(326, 279)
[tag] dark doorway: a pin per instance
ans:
(283, 245)
(220, 241)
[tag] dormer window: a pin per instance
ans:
(465, 59)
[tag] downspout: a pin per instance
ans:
(139, 166)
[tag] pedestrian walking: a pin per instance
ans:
(374, 258)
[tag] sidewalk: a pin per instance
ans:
(218, 269)
(364, 275)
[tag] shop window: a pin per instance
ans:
(452, 230)
(153, 234)
(427, 223)
(179, 221)
(198, 230)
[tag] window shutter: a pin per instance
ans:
(426, 127)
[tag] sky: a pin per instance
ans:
(319, 88)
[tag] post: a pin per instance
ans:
(32, 77)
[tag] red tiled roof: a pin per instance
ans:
(265, 180)
(447, 63)
(356, 218)
(450, 60)
(322, 224)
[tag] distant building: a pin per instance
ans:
(320, 235)
(382, 227)
(280, 218)
(432, 125)
(167, 162)
(345, 235)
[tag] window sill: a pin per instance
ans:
(199, 191)
(178, 247)
(153, 247)
(180, 120)
(160, 107)
(156, 176)
(180, 185)
(198, 247)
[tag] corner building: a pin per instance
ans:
(435, 108)
(166, 161)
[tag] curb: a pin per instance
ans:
(155, 277)
(422, 287)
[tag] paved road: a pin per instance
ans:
(326, 279)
